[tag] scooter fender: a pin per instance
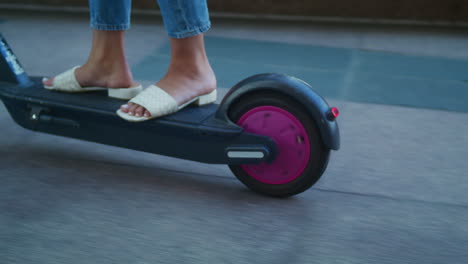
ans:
(313, 103)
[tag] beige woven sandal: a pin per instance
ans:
(160, 103)
(66, 82)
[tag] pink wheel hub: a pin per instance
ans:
(290, 137)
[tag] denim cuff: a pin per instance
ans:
(110, 27)
(190, 32)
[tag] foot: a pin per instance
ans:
(103, 74)
(182, 83)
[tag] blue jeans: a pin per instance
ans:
(182, 18)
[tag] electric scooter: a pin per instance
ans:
(272, 130)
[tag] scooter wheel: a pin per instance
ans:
(302, 156)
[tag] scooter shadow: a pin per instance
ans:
(69, 169)
(58, 192)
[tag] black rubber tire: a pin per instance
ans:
(319, 153)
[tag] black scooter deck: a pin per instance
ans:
(192, 133)
(98, 101)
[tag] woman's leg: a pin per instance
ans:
(189, 74)
(106, 65)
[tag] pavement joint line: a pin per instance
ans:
(147, 167)
(233, 179)
(407, 77)
(350, 74)
(256, 17)
(380, 196)
(343, 101)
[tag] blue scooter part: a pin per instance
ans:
(10, 68)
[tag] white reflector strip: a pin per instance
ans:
(246, 154)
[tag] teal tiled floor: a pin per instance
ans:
(338, 73)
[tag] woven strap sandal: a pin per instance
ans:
(160, 103)
(66, 82)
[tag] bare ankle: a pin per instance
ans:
(105, 75)
(191, 69)
(120, 81)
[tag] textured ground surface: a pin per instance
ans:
(395, 192)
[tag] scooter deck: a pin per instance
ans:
(192, 133)
(98, 101)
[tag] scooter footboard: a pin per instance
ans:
(92, 117)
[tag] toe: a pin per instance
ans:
(132, 108)
(147, 113)
(124, 108)
(139, 111)
(48, 81)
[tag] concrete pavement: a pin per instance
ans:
(394, 193)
